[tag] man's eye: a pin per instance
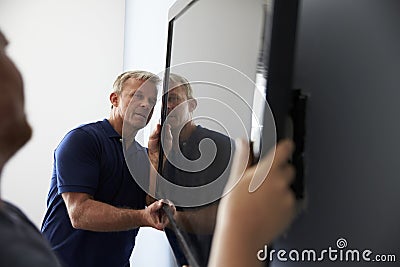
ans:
(172, 99)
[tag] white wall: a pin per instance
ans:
(69, 53)
(146, 34)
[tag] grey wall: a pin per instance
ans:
(348, 61)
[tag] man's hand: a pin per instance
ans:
(155, 216)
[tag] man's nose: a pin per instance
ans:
(170, 106)
(146, 104)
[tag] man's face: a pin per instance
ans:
(14, 129)
(137, 101)
(179, 107)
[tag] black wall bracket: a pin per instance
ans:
(298, 119)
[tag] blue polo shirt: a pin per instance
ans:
(90, 160)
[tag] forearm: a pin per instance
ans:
(248, 221)
(101, 217)
(233, 246)
(245, 255)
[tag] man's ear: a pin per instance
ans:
(192, 104)
(114, 99)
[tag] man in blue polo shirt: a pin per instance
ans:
(94, 206)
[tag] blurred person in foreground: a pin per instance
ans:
(21, 243)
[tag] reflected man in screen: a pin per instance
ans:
(198, 157)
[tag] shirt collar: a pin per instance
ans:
(109, 130)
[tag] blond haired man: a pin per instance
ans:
(94, 206)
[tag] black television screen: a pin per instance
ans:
(237, 56)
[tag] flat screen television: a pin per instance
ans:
(238, 57)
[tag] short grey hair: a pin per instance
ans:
(178, 80)
(139, 75)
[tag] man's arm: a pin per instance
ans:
(88, 214)
(247, 221)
